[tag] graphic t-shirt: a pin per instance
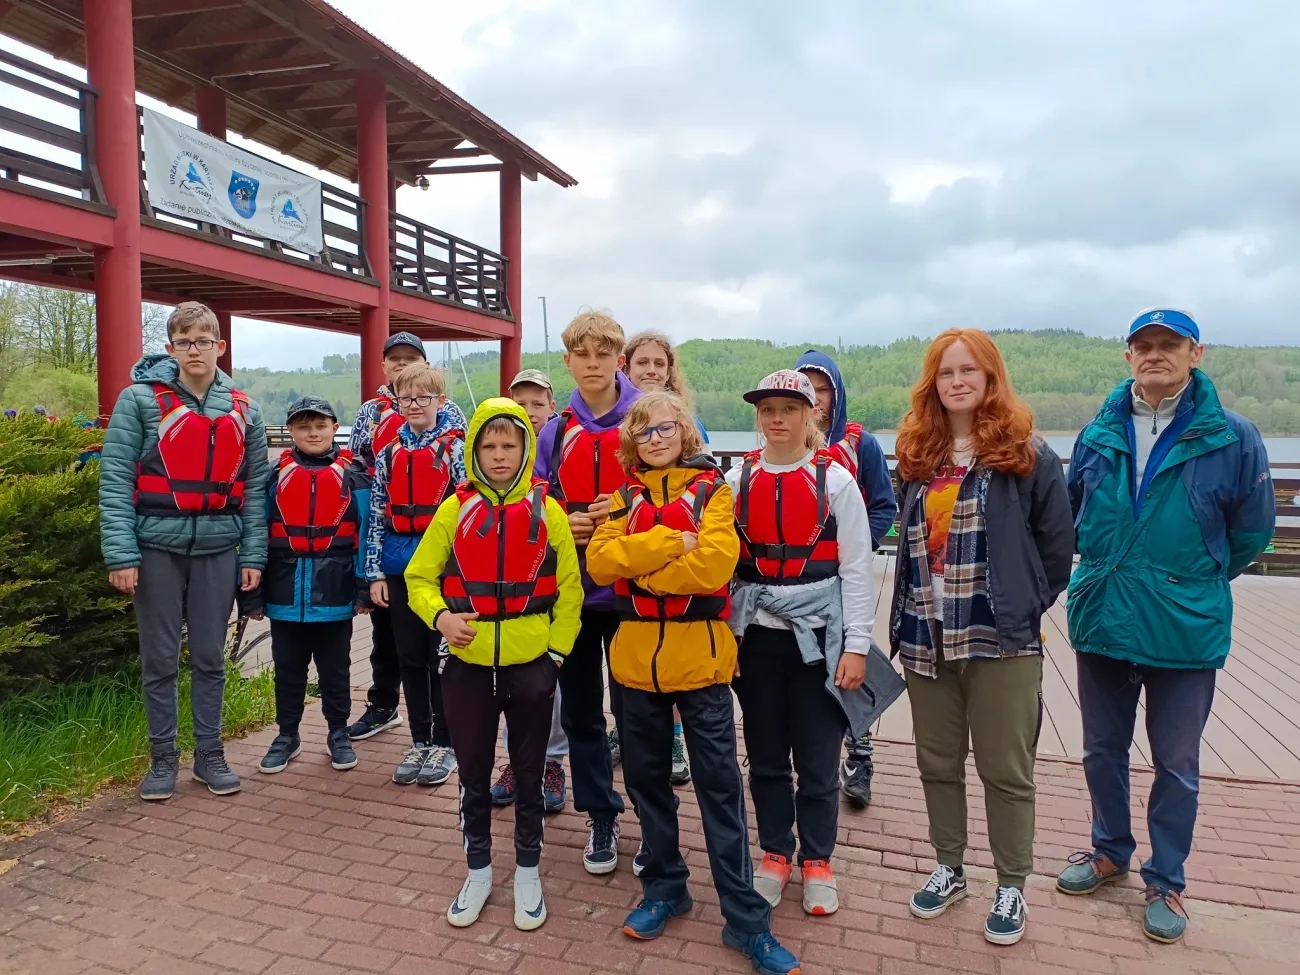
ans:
(940, 497)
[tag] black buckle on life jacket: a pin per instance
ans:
(781, 553)
(499, 590)
(311, 531)
(413, 510)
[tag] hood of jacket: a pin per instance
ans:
(489, 410)
(162, 368)
(627, 395)
(668, 484)
(812, 359)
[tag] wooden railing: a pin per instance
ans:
(59, 97)
(436, 264)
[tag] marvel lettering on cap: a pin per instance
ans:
(784, 382)
(1170, 318)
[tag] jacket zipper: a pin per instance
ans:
(654, 659)
(501, 566)
(780, 533)
(410, 489)
(595, 480)
(311, 566)
(713, 646)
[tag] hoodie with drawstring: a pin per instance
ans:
(873, 472)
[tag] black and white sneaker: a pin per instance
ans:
(1005, 924)
(374, 721)
(601, 854)
(944, 888)
(681, 773)
(855, 781)
(408, 769)
(641, 860)
(342, 755)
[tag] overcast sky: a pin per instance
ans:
(874, 170)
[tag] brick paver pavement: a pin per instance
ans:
(323, 873)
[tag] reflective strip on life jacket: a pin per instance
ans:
(310, 505)
(787, 534)
(635, 603)
(501, 564)
(197, 467)
(584, 465)
(419, 481)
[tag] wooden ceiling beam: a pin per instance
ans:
(149, 9)
(258, 35)
(268, 66)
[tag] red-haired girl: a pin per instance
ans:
(986, 545)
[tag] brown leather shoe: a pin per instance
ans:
(1087, 872)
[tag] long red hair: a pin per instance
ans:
(1002, 437)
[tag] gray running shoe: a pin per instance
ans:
(408, 769)
(437, 767)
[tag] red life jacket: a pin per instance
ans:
(197, 467)
(310, 505)
(418, 481)
(846, 451)
(501, 565)
(787, 533)
(684, 514)
(383, 430)
(584, 465)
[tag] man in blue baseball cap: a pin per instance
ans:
(1172, 500)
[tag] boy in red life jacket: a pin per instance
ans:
(317, 505)
(531, 389)
(670, 549)
(577, 455)
(414, 474)
(375, 426)
(859, 453)
(182, 526)
(497, 575)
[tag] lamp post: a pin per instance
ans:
(546, 335)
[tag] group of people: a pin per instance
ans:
(508, 560)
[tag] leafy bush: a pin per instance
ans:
(59, 618)
(62, 391)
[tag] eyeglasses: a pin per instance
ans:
(424, 399)
(666, 431)
(203, 345)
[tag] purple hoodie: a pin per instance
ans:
(598, 597)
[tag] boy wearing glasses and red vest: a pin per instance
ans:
(182, 526)
(374, 428)
(497, 575)
(577, 455)
(414, 474)
(317, 504)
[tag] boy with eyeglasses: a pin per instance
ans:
(414, 474)
(182, 525)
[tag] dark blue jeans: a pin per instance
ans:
(1177, 705)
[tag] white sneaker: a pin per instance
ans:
(468, 905)
(530, 905)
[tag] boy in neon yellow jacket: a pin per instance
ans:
(496, 574)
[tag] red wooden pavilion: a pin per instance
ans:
(295, 75)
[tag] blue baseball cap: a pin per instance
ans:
(1170, 318)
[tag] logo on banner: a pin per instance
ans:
(243, 194)
(288, 213)
(191, 174)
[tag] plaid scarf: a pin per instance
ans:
(967, 617)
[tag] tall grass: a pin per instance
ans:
(69, 741)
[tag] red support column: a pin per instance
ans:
(110, 67)
(212, 120)
(375, 185)
(512, 250)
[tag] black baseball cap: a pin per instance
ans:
(405, 338)
(310, 404)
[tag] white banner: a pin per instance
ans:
(201, 177)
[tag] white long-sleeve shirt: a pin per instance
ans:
(853, 534)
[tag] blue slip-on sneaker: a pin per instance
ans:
(764, 952)
(278, 755)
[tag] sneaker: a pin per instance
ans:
(615, 752)
(650, 918)
(681, 773)
(375, 720)
(1165, 919)
(764, 952)
(1088, 872)
(437, 767)
(530, 904)
(641, 860)
(277, 757)
(553, 787)
(855, 781)
(821, 894)
(339, 745)
(944, 888)
(212, 769)
(160, 782)
(601, 855)
(503, 790)
(468, 905)
(408, 769)
(1005, 924)
(771, 875)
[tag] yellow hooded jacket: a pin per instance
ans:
(524, 638)
(691, 653)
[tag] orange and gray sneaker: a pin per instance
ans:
(771, 875)
(820, 893)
